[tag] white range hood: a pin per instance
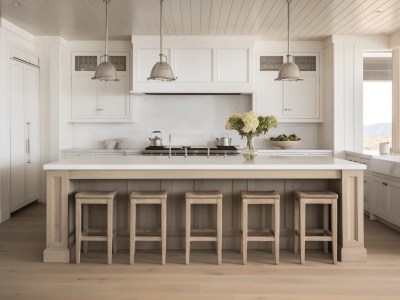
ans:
(202, 64)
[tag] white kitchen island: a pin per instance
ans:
(228, 174)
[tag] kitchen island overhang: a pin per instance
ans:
(346, 178)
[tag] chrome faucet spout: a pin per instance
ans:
(169, 145)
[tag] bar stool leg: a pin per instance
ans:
(188, 224)
(277, 230)
(109, 230)
(85, 225)
(219, 231)
(78, 231)
(272, 224)
(163, 230)
(296, 225)
(334, 230)
(326, 225)
(245, 230)
(132, 238)
(115, 227)
(302, 231)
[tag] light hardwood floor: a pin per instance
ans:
(24, 276)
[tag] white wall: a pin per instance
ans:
(343, 121)
(190, 119)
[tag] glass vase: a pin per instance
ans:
(249, 153)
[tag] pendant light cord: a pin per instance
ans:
(106, 47)
(288, 8)
(161, 31)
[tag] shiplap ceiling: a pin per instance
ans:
(311, 19)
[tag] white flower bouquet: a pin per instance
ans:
(249, 125)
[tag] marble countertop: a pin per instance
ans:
(202, 163)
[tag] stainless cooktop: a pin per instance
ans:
(191, 151)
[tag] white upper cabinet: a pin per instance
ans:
(99, 101)
(201, 64)
(289, 101)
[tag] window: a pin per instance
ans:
(377, 99)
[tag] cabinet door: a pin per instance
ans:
(394, 202)
(194, 65)
(269, 95)
(381, 201)
(84, 97)
(17, 148)
(302, 98)
(32, 155)
(115, 98)
(233, 65)
(368, 191)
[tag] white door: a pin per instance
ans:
(302, 98)
(381, 198)
(269, 95)
(394, 202)
(84, 97)
(18, 146)
(115, 98)
(32, 139)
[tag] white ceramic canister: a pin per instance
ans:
(384, 148)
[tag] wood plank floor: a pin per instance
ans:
(24, 276)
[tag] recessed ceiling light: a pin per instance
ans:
(16, 3)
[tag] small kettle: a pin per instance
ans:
(224, 141)
(156, 139)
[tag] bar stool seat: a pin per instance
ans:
(204, 198)
(268, 235)
(83, 200)
(140, 236)
(326, 198)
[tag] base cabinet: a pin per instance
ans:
(387, 199)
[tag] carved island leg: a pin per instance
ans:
(57, 217)
(352, 206)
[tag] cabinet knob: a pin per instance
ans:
(384, 183)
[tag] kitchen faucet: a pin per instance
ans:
(169, 145)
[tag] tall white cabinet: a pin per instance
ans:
(99, 101)
(288, 101)
(25, 143)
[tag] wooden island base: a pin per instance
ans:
(63, 184)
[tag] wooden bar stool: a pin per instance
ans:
(155, 198)
(325, 235)
(268, 235)
(204, 198)
(84, 199)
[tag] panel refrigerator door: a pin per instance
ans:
(17, 137)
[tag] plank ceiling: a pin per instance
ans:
(311, 19)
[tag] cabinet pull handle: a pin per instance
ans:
(28, 143)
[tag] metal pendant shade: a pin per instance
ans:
(289, 71)
(106, 70)
(162, 70)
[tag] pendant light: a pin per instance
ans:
(162, 70)
(106, 70)
(289, 71)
